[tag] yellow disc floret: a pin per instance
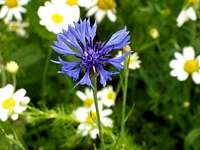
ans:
(57, 18)
(111, 96)
(11, 3)
(191, 66)
(106, 4)
(72, 2)
(88, 102)
(9, 103)
(91, 117)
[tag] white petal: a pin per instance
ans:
(14, 116)
(182, 18)
(87, 3)
(100, 14)
(182, 76)
(188, 53)
(106, 112)
(3, 11)
(92, 11)
(196, 77)
(94, 133)
(191, 13)
(111, 16)
(18, 96)
(81, 95)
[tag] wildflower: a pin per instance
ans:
(107, 96)
(87, 97)
(12, 9)
(18, 27)
(101, 8)
(185, 15)
(91, 57)
(76, 3)
(154, 33)
(186, 64)
(88, 121)
(186, 104)
(12, 67)
(56, 16)
(134, 62)
(12, 104)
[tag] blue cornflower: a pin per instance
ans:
(91, 57)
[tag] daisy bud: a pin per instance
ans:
(186, 104)
(127, 48)
(12, 67)
(154, 33)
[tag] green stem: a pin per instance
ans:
(45, 72)
(126, 74)
(3, 73)
(97, 111)
(14, 80)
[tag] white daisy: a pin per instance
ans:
(107, 96)
(134, 62)
(12, 9)
(185, 15)
(86, 97)
(101, 8)
(88, 121)
(81, 3)
(186, 64)
(12, 104)
(18, 27)
(56, 15)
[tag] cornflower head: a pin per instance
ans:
(91, 57)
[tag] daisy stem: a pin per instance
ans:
(97, 111)
(3, 73)
(14, 80)
(126, 74)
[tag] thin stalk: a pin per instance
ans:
(14, 80)
(97, 111)
(45, 72)
(126, 74)
(3, 73)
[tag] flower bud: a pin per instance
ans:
(12, 67)
(127, 48)
(154, 33)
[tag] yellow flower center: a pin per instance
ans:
(193, 2)
(191, 66)
(131, 61)
(11, 3)
(91, 117)
(111, 96)
(14, 26)
(106, 4)
(72, 2)
(9, 103)
(57, 18)
(88, 102)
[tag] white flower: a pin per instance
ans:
(18, 27)
(185, 15)
(186, 64)
(101, 8)
(12, 67)
(12, 104)
(107, 96)
(87, 97)
(88, 121)
(12, 9)
(134, 62)
(56, 15)
(81, 3)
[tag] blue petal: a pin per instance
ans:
(105, 75)
(72, 73)
(116, 62)
(61, 48)
(117, 41)
(65, 64)
(86, 79)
